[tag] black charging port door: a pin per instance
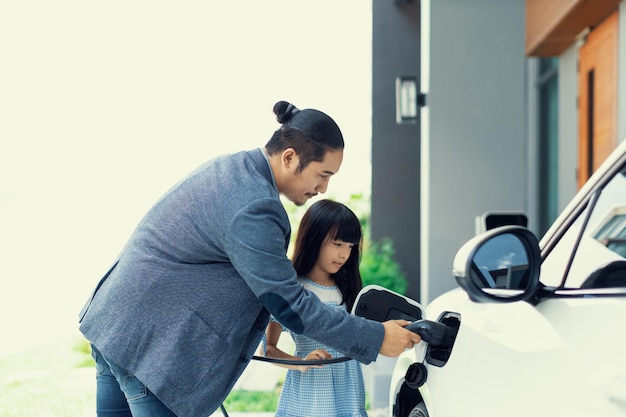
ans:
(380, 304)
(439, 355)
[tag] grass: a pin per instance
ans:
(55, 381)
(59, 381)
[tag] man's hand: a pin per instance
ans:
(397, 338)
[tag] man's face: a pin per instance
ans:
(299, 186)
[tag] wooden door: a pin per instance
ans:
(597, 100)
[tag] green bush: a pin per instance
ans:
(379, 267)
(258, 401)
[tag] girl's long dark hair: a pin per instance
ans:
(327, 218)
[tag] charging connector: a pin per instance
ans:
(433, 332)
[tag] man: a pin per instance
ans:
(176, 320)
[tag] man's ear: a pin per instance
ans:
(289, 157)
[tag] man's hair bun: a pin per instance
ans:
(304, 125)
(285, 111)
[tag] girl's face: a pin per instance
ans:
(333, 254)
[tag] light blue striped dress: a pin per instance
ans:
(336, 390)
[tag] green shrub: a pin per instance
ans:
(379, 267)
(83, 348)
(258, 401)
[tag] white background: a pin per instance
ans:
(104, 105)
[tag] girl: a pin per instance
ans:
(326, 258)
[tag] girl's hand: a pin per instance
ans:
(317, 354)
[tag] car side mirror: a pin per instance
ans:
(500, 265)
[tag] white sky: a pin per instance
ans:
(104, 105)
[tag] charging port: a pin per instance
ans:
(416, 375)
(439, 355)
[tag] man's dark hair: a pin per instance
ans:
(311, 133)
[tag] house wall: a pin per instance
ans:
(477, 132)
(621, 81)
(568, 111)
(396, 147)
(473, 134)
(568, 126)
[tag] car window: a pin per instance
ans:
(600, 258)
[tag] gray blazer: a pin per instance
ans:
(185, 306)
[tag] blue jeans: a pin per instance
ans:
(121, 394)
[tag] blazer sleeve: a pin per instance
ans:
(256, 243)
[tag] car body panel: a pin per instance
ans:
(560, 352)
(502, 353)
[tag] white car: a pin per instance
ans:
(535, 328)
